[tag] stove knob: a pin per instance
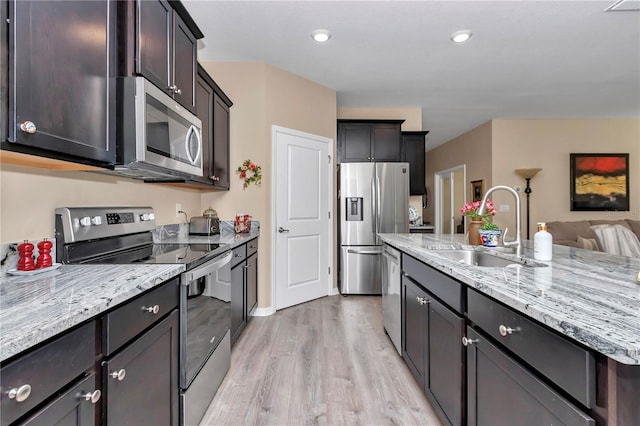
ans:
(85, 221)
(96, 220)
(144, 217)
(152, 216)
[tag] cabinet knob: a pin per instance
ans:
(119, 375)
(93, 396)
(467, 342)
(172, 89)
(177, 91)
(20, 394)
(151, 309)
(504, 330)
(422, 300)
(245, 266)
(28, 127)
(215, 178)
(369, 158)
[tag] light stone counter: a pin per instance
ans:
(36, 307)
(590, 297)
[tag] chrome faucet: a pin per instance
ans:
(518, 241)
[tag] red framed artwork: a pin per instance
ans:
(599, 182)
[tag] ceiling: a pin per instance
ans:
(526, 59)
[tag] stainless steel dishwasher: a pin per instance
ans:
(391, 303)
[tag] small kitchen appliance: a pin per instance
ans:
(207, 224)
(123, 235)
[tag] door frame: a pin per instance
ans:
(274, 166)
(437, 178)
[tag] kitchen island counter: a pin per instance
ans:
(590, 297)
(34, 308)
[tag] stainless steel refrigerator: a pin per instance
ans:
(373, 198)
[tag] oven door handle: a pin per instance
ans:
(207, 268)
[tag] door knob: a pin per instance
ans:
(281, 230)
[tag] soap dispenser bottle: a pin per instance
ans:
(542, 243)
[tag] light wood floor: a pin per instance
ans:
(325, 362)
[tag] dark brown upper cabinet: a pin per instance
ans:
(369, 140)
(61, 60)
(160, 41)
(212, 108)
(413, 152)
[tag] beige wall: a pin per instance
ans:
(472, 148)
(547, 144)
(29, 197)
(412, 116)
(495, 149)
(264, 96)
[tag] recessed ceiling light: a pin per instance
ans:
(321, 35)
(461, 36)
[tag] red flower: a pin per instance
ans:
(252, 166)
(243, 175)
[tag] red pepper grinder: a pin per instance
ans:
(25, 262)
(44, 258)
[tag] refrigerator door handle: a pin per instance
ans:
(358, 251)
(377, 177)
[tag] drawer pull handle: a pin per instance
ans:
(92, 396)
(422, 300)
(504, 330)
(28, 127)
(468, 342)
(21, 393)
(151, 309)
(119, 375)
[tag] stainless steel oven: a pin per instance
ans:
(206, 344)
(122, 235)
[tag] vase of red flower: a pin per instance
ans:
(478, 221)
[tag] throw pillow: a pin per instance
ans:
(588, 243)
(618, 240)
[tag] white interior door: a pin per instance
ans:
(450, 196)
(302, 184)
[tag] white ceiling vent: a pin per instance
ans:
(624, 6)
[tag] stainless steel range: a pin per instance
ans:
(122, 235)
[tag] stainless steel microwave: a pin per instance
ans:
(157, 138)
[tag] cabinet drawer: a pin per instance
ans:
(502, 392)
(446, 289)
(563, 362)
(134, 317)
(252, 247)
(46, 370)
(239, 254)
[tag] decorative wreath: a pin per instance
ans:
(245, 169)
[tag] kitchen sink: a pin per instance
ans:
(480, 258)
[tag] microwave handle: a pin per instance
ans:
(207, 268)
(193, 130)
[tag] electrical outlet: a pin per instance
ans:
(504, 208)
(178, 209)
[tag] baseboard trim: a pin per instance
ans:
(334, 291)
(263, 312)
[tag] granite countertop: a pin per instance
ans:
(37, 307)
(34, 308)
(590, 297)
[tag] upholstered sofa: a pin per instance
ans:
(602, 235)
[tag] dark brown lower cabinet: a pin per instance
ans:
(433, 350)
(502, 392)
(76, 406)
(238, 311)
(252, 284)
(414, 337)
(141, 381)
